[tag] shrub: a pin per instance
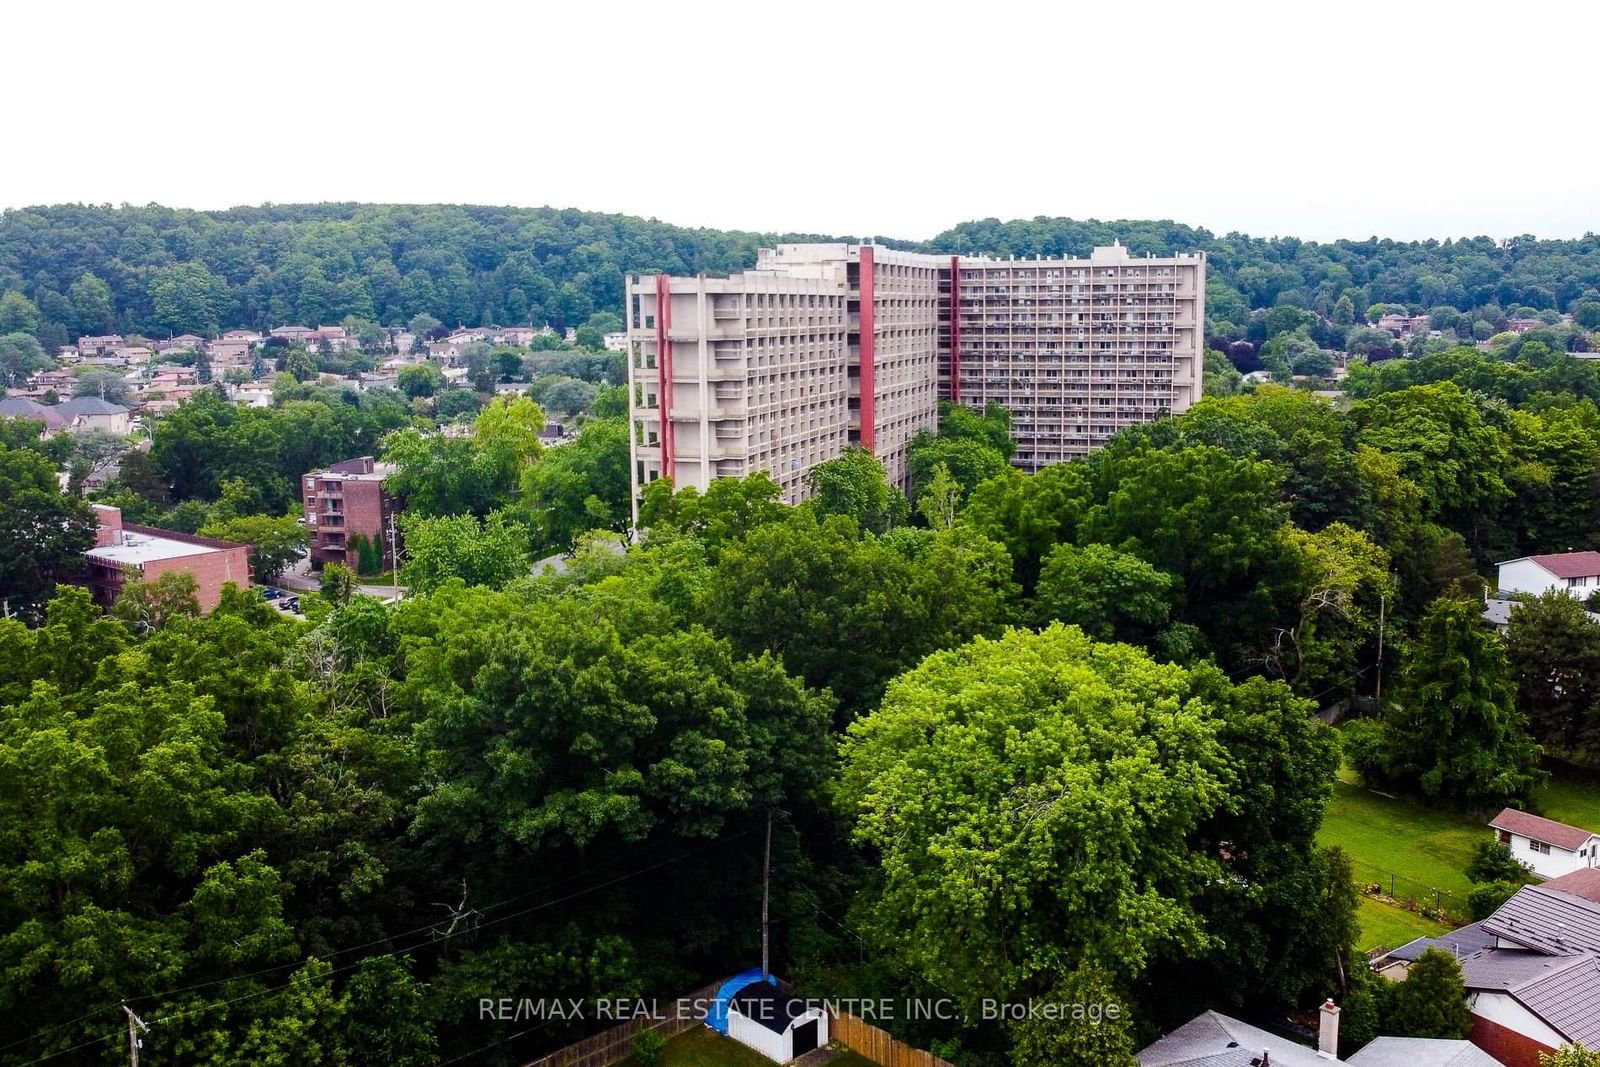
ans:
(648, 1045)
(1487, 897)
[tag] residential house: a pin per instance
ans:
(463, 337)
(1524, 325)
(250, 336)
(444, 352)
(1498, 608)
(124, 552)
(333, 336)
(1550, 848)
(292, 333)
(184, 342)
(1405, 325)
(253, 394)
(1535, 986)
(1395, 963)
(229, 352)
(95, 346)
(344, 500)
(1576, 573)
(60, 380)
(616, 342)
(86, 413)
(1212, 1039)
(78, 415)
(21, 407)
(518, 336)
(1421, 1052)
(1583, 882)
(134, 355)
(571, 335)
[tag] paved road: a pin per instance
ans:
(302, 580)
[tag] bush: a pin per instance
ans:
(648, 1045)
(1494, 863)
(1484, 899)
(1362, 742)
(365, 552)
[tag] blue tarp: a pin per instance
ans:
(717, 1018)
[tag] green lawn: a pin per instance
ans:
(1573, 796)
(1415, 849)
(1390, 927)
(1425, 848)
(700, 1046)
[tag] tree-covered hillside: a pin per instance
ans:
(161, 271)
(74, 269)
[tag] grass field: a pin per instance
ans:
(1389, 926)
(1414, 849)
(700, 1046)
(1385, 836)
(1573, 796)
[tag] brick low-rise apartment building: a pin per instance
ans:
(826, 345)
(343, 500)
(125, 552)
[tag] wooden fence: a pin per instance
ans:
(877, 1046)
(616, 1044)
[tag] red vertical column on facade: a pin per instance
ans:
(869, 352)
(664, 373)
(955, 329)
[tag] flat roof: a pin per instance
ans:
(146, 548)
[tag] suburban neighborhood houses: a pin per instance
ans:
(1550, 848)
(515, 636)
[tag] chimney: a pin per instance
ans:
(1328, 1032)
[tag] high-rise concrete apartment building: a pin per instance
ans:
(826, 345)
(1074, 349)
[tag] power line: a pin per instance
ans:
(173, 1017)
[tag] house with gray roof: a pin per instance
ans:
(1531, 970)
(1459, 943)
(1421, 1052)
(1212, 1039)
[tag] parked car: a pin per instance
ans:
(290, 603)
(269, 592)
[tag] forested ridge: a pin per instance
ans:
(162, 271)
(1044, 736)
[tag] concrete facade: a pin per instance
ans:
(1075, 349)
(345, 499)
(822, 346)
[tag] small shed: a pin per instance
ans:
(763, 1014)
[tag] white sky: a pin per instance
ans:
(1410, 118)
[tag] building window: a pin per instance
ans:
(1539, 847)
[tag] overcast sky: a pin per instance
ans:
(1321, 120)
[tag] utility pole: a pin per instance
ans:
(135, 1025)
(394, 557)
(766, 885)
(1382, 605)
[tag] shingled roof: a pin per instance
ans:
(1569, 564)
(1564, 991)
(1583, 882)
(1547, 920)
(1212, 1039)
(1549, 831)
